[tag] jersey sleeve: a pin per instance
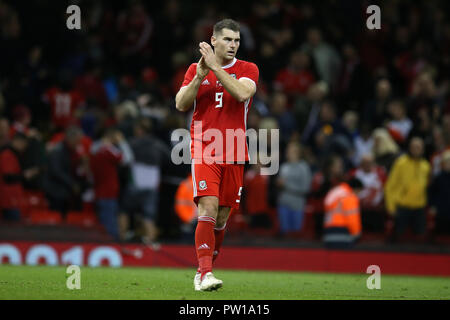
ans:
(250, 71)
(190, 74)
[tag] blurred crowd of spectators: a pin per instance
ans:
(86, 115)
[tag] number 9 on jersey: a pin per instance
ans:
(219, 96)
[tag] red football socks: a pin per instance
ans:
(219, 233)
(205, 243)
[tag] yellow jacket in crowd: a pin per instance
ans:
(407, 184)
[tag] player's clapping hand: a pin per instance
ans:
(208, 56)
(202, 69)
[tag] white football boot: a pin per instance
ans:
(197, 281)
(210, 282)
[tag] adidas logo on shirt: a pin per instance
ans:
(206, 82)
(203, 246)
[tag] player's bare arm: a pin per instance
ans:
(242, 89)
(186, 95)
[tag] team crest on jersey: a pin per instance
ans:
(202, 185)
(219, 84)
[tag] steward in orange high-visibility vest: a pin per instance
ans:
(185, 207)
(342, 221)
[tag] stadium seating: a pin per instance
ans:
(33, 200)
(82, 218)
(48, 217)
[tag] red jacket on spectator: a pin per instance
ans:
(91, 87)
(63, 106)
(256, 187)
(11, 193)
(105, 158)
(294, 82)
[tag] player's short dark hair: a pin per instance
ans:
(226, 24)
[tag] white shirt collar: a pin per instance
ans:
(230, 64)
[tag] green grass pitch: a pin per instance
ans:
(44, 282)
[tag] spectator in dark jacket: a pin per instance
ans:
(439, 196)
(375, 110)
(142, 195)
(60, 183)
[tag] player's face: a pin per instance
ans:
(226, 44)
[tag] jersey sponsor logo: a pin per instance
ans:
(202, 185)
(203, 246)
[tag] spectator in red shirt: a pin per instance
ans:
(296, 78)
(256, 203)
(105, 160)
(65, 104)
(12, 176)
(91, 87)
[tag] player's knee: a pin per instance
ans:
(221, 221)
(222, 217)
(220, 226)
(208, 208)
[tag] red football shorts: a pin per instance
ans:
(224, 181)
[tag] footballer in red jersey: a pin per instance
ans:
(220, 88)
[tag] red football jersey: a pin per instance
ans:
(215, 108)
(63, 106)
